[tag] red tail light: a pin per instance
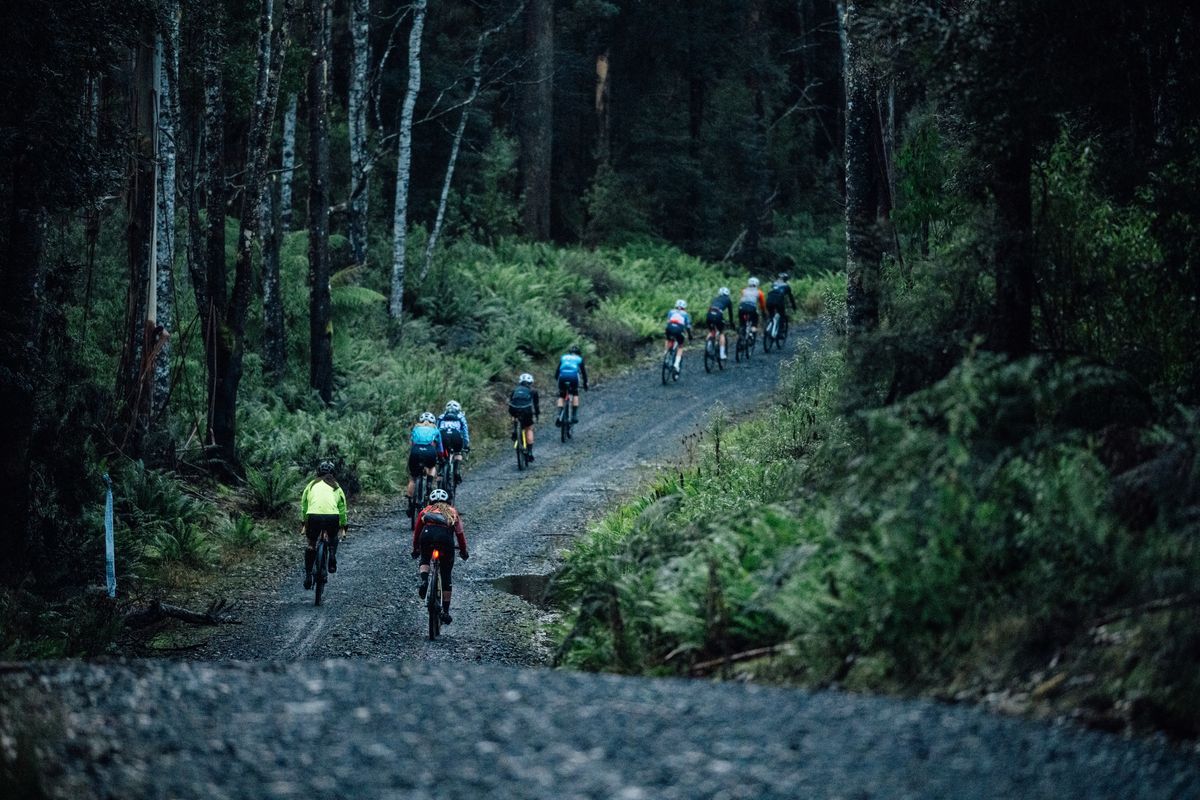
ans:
(435, 553)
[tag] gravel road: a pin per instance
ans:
(517, 523)
(361, 729)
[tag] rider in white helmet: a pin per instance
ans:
(523, 405)
(751, 303)
(437, 526)
(426, 448)
(456, 436)
(679, 322)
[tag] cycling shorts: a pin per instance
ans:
(443, 539)
(748, 311)
(676, 331)
(421, 456)
(716, 320)
(316, 524)
(568, 386)
(524, 415)
(453, 440)
(776, 308)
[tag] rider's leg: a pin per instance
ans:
(723, 356)
(678, 356)
(575, 408)
(529, 442)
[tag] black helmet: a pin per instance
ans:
(325, 467)
(575, 350)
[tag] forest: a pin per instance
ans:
(240, 236)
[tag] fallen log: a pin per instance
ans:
(157, 611)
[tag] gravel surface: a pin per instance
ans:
(517, 524)
(362, 729)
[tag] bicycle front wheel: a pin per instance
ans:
(710, 355)
(519, 446)
(667, 367)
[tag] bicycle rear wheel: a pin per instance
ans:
(433, 600)
(564, 421)
(321, 568)
(668, 366)
(710, 355)
(769, 334)
(519, 445)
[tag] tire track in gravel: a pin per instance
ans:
(517, 525)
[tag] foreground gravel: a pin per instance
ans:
(342, 729)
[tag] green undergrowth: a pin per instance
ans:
(976, 536)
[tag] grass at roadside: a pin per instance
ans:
(1004, 534)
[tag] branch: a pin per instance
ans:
(158, 611)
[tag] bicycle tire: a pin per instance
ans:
(519, 445)
(564, 420)
(667, 367)
(783, 332)
(433, 600)
(321, 570)
(710, 355)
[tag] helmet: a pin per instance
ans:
(575, 350)
(427, 417)
(526, 379)
(439, 496)
(325, 467)
(681, 304)
(453, 407)
(723, 291)
(783, 276)
(754, 283)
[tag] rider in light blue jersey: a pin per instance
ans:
(426, 448)
(570, 370)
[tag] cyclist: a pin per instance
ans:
(438, 525)
(750, 303)
(322, 510)
(456, 437)
(570, 369)
(779, 296)
(423, 455)
(523, 405)
(720, 308)
(679, 322)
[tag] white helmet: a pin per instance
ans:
(681, 304)
(427, 417)
(439, 496)
(453, 407)
(754, 283)
(723, 291)
(525, 379)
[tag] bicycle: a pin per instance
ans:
(564, 419)
(520, 445)
(433, 599)
(423, 485)
(668, 364)
(321, 567)
(775, 332)
(447, 476)
(745, 342)
(712, 351)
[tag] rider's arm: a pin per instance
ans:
(304, 502)
(466, 431)
(341, 503)
(583, 373)
(792, 297)
(460, 533)
(729, 311)
(762, 302)
(537, 410)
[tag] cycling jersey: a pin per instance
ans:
(572, 368)
(453, 424)
(753, 297)
(678, 317)
(321, 498)
(780, 294)
(721, 306)
(426, 434)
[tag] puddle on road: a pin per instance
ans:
(530, 588)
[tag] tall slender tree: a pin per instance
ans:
(287, 166)
(404, 163)
(536, 125)
(863, 251)
(320, 325)
(168, 134)
(357, 98)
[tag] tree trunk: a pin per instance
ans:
(404, 163)
(360, 16)
(21, 271)
(862, 239)
(439, 218)
(287, 166)
(603, 121)
(274, 335)
(536, 126)
(134, 383)
(760, 178)
(320, 326)
(1013, 333)
(168, 134)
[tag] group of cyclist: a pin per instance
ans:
(751, 302)
(438, 439)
